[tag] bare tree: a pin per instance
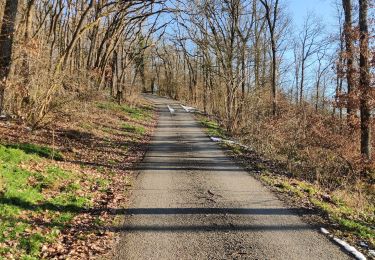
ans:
(310, 44)
(321, 71)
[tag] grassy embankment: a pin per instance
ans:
(56, 195)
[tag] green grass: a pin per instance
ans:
(133, 128)
(103, 184)
(357, 227)
(213, 128)
(51, 177)
(21, 193)
(343, 216)
(87, 126)
(138, 113)
(109, 130)
(337, 210)
(41, 151)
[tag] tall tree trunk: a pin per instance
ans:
(347, 4)
(274, 75)
(25, 70)
(271, 17)
(339, 79)
(6, 44)
(364, 81)
(302, 81)
(317, 94)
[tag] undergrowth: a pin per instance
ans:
(350, 207)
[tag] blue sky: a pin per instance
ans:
(324, 9)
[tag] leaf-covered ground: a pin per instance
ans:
(62, 187)
(347, 214)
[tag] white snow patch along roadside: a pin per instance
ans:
(171, 110)
(351, 249)
(188, 109)
(324, 231)
(216, 139)
(358, 255)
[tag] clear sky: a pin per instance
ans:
(324, 9)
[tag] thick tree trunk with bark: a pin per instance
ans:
(6, 44)
(364, 81)
(271, 16)
(348, 33)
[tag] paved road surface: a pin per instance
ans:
(190, 201)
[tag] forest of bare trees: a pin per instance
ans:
(245, 63)
(300, 95)
(241, 61)
(53, 51)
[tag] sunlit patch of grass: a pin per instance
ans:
(87, 126)
(358, 228)
(135, 112)
(103, 184)
(310, 189)
(213, 128)
(50, 178)
(41, 151)
(109, 131)
(22, 194)
(133, 128)
(138, 113)
(32, 244)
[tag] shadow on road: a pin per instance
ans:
(209, 228)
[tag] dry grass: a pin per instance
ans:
(312, 155)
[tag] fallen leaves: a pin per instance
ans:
(101, 170)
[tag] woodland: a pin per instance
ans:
(301, 96)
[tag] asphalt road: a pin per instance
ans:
(190, 201)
